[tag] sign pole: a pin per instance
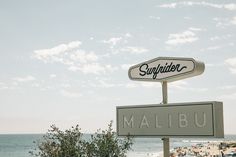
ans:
(166, 143)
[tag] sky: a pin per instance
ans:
(66, 62)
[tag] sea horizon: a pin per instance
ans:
(19, 145)
(94, 133)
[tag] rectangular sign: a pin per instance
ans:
(195, 119)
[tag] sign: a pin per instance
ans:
(166, 69)
(196, 119)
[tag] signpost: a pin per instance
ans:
(199, 119)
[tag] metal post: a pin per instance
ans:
(164, 93)
(166, 143)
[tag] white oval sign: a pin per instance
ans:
(166, 69)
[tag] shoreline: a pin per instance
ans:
(208, 149)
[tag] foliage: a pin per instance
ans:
(57, 143)
(69, 143)
(107, 144)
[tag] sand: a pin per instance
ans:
(210, 149)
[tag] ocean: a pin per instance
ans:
(20, 145)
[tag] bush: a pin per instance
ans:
(69, 143)
(107, 144)
(57, 143)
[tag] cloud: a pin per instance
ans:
(70, 94)
(178, 84)
(229, 7)
(74, 58)
(214, 65)
(73, 68)
(52, 76)
(224, 22)
(2, 83)
(130, 50)
(231, 96)
(3, 86)
(187, 18)
(106, 84)
(28, 78)
(228, 87)
(147, 85)
(101, 82)
(231, 63)
(212, 48)
(126, 66)
(209, 65)
(84, 57)
(93, 68)
(169, 5)
(221, 22)
(155, 17)
(54, 54)
(36, 85)
(65, 85)
(128, 35)
(134, 50)
(150, 84)
(113, 41)
(215, 38)
(233, 21)
(131, 85)
(181, 85)
(196, 29)
(181, 38)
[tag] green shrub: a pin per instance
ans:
(107, 144)
(69, 143)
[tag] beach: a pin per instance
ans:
(209, 149)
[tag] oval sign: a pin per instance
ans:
(166, 69)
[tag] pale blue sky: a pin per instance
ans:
(65, 62)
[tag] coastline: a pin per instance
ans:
(209, 149)
(19, 145)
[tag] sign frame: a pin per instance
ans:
(198, 68)
(217, 119)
